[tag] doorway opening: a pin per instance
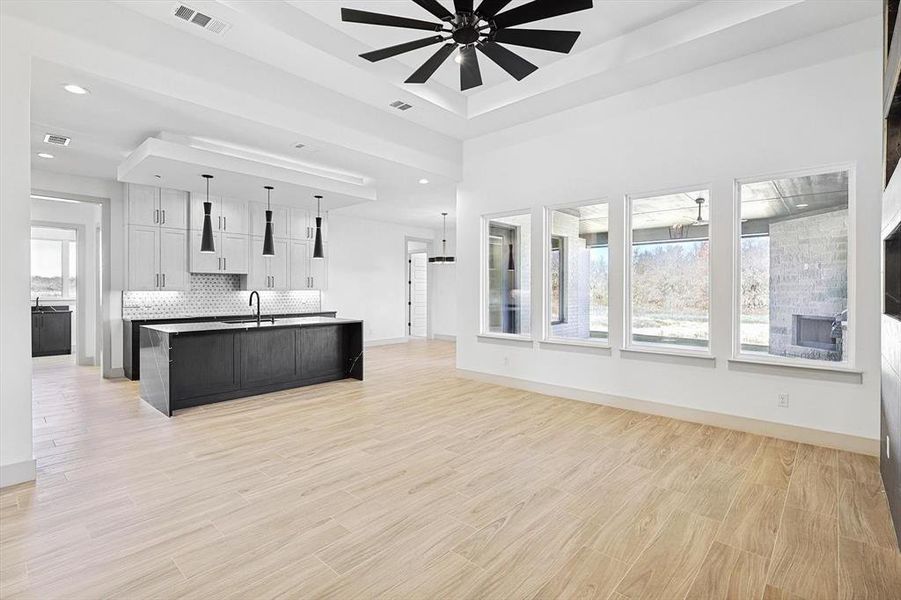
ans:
(66, 281)
(417, 289)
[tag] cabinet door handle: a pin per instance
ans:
(156, 280)
(224, 263)
(164, 280)
(156, 216)
(219, 220)
(163, 222)
(225, 223)
(219, 264)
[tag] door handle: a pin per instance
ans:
(164, 280)
(224, 263)
(156, 216)
(164, 217)
(156, 280)
(219, 221)
(225, 223)
(219, 264)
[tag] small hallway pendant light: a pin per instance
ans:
(268, 244)
(207, 246)
(317, 243)
(443, 258)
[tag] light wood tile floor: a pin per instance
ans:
(416, 484)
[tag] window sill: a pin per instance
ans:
(681, 354)
(579, 343)
(507, 337)
(790, 364)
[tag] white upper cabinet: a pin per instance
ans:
(319, 269)
(299, 276)
(234, 249)
(173, 267)
(157, 239)
(280, 219)
(202, 262)
(173, 209)
(301, 224)
(234, 216)
(143, 205)
(278, 266)
(258, 272)
(143, 257)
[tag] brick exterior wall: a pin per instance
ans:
(576, 289)
(808, 276)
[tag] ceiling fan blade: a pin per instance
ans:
(509, 61)
(538, 10)
(470, 74)
(428, 68)
(463, 5)
(543, 39)
(352, 15)
(377, 55)
(434, 7)
(489, 8)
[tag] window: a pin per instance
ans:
(577, 266)
(53, 255)
(793, 253)
(669, 278)
(507, 297)
(557, 280)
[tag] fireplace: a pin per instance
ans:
(816, 332)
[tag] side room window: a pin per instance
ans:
(508, 266)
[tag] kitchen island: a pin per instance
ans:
(191, 364)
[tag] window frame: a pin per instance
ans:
(546, 228)
(737, 354)
(562, 283)
(484, 293)
(68, 292)
(628, 343)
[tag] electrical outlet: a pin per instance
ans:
(783, 400)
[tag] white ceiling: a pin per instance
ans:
(288, 72)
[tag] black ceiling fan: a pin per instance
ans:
(484, 28)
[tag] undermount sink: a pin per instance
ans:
(245, 321)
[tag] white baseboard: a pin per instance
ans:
(385, 342)
(794, 433)
(117, 373)
(19, 472)
(444, 338)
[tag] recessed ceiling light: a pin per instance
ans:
(76, 89)
(424, 181)
(802, 205)
(45, 155)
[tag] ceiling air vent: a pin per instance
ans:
(186, 13)
(401, 105)
(56, 139)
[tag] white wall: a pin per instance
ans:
(112, 194)
(739, 124)
(367, 273)
(16, 458)
(88, 217)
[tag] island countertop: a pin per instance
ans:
(206, 326)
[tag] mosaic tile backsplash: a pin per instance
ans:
(215, 294)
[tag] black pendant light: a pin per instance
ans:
(511, 266)
(317, 243)
(268, 244)
(207, 246)
(443, 258)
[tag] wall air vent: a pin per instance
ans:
(213, 25)
(56, 139)
(401, 105)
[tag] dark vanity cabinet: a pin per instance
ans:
(51, 331)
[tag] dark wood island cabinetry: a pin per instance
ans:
(190, 364)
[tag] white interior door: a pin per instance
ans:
(419, 294)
